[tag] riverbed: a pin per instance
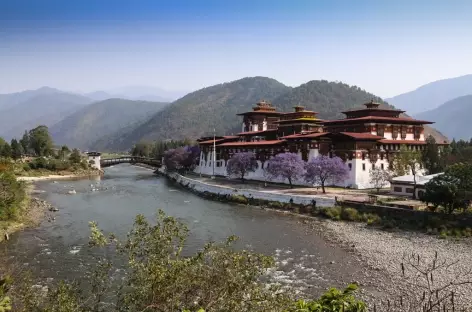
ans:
(57, 249)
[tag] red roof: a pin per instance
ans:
(362, 135)
(401, 119)
(311, 134)
(373, 109)
(271, 142)
(385, 141)
(210, 141)
(256, 132)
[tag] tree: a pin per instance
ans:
(288, 166)
(379, 178)
(75, 157)
(431, 157)
(462, 173)
(63, 152)
(241, 163)
(174, 158)
(16, 149)
(192, 155)
(443, 190)
(40, 141)
(5, 149)
(407, 161)
(323, 169)
(25, 142)
(142, 149)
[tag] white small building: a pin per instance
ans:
(94, 159)
(404, 185)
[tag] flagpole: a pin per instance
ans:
(214, 152)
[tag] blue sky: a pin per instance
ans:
(385, 47)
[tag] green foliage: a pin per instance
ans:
(350, 214)
(333, 213)
(12, 195)
(5, 149)
(431, 158)
(239, 199)
(16, 149)
(63, 152)
(334, 300)
(462, 172)
(75, 157)
(40, 141)
(25, 142)
(443, 190)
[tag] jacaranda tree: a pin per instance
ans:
(288, 166)
(241, 163)
(324, 169)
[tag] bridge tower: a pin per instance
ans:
(94, 159)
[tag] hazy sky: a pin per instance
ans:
(385, 47)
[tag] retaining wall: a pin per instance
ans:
(202, 187)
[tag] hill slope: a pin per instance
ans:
(452, 118)
(45, 109)
(197, 113)
(216, 107)
(101, 119)
(433, 94)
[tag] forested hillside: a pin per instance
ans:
(101, 119)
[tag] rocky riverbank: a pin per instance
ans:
(35, 212)
(403, 256)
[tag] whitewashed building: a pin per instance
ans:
(367, 138)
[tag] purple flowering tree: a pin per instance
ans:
(174, 158)
(241, 163)
(324, 169)
(288, 166)
(190, 157)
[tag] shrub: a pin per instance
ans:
(333, 213)
(275, 205)
(350, 214)
(370, 218)
(38, 163)
(12, 195)
(240, 199)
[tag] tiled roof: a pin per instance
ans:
(378, 118)
(211, 141)
(362, 135)
(271, 142)
(385, 141)
(257, 132)
(305, 135)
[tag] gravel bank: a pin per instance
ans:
(386, 251)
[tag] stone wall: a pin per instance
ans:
(201, 187)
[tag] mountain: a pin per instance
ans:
(215, 107)
(146, 93)
(11, 99)
(197, 113)
(100, 119)
(29, 109)
(452, 118)
(329, 99)
(433, 94)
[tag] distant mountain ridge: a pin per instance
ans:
(453, 118)
(100, 119)
(432, 95)
(45, 106)
(215, 107)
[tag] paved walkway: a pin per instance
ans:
(340, 193)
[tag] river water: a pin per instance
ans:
(57, 249)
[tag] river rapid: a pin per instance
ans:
(57, 249)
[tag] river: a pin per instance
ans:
(57, 249)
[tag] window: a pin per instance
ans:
(398, 189)
(350, 167)
(373, 166)
(409, 190)
(363, 167)
(382, 166)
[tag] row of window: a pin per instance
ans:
(364, 167)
